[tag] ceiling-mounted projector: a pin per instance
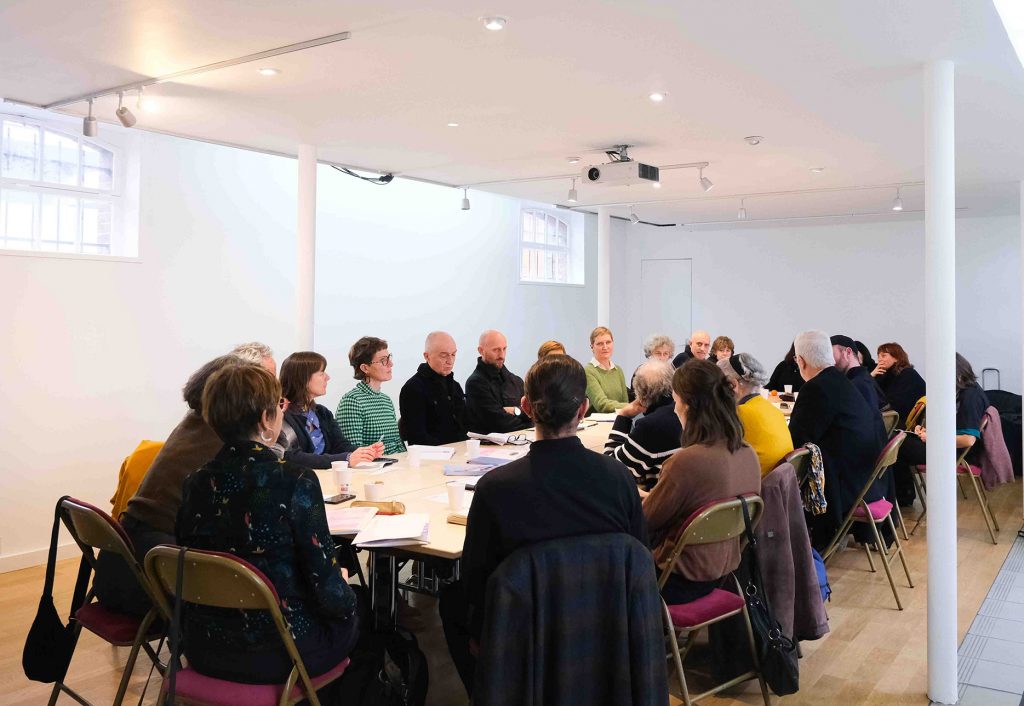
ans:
(621, 173)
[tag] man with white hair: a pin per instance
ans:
(432, 404)
(258, 353)
(493, 392)
(646, 444)
(699, 347)
(831, 414)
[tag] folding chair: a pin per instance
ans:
(718, 521)
(873, 514)
(224, 581)
(92, 529)
(916, 415)
(963, 470)
(800, 459)
(890, 418)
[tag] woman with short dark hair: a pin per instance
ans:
(903, 386)
(268, 511)
(786, 373)
(713, 463)
(313, 435)
(365, 414)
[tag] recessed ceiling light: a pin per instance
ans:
(267, 71)
(573, 160)
(495, 24)
(453, 124)
(753, 140)
(817, 170)
(658, 96)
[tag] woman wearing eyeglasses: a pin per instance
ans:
(367, 415)
(314, 437)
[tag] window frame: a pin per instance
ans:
(568, 249)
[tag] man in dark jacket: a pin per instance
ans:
(699, 347)
(431, 403)
(831, 414)
(844, 349)
(493, 392)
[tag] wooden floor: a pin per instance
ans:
(873, 655)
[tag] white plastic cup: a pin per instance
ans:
(328, 482)
(344, 479)
(788, 389)
(456, 495)
(374, 491)
(414, 457)
(472, 448)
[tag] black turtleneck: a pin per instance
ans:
(433, 408)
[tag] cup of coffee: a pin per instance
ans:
(472, 448)
(456, 495)
(374, 491)
(788, 389)
(414, 457)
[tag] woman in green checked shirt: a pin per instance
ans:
(365, 414)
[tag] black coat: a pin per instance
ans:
(433, 408)
(868, 387)
(686, 355)
(902, 389)
(832, 414)
(299, 449)
(785, 373)
(488, 391)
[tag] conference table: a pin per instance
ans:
(418, 489)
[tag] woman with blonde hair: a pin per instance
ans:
(550, 348)
(606, 383)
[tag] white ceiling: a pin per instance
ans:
(829, 84)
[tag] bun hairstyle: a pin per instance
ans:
(556, 387)
(711, 405)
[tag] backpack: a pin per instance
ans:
(819, 569)
(386, 669)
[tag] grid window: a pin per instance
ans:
(545, 248)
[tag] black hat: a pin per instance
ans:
(843, 341)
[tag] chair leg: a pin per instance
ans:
(871, 562)
(885, 563)
(676, 657)
(984, 495)
(753, 655)
(984, 505)
(129, 666)
(963, 493)
(919, 484)
(903, 525)
(899, 550)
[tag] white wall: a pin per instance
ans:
(400, 261)
(762, 286)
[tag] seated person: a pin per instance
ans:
(256, 353)
(560, 489)
(431, 402)
(713, 463)
(786, 373)
(722, 349)
(901, 384)
(642, 446)
(606, 384)
(864, 356)
(148, 518)
(699, 347)
(133, 470)
(493, 391)
(314, 437)
(269, 512)
(764, 427)
(656, 347)
(365, 414)
(550, 348)
(831, 414)
(844, 349)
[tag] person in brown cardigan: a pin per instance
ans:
(714, 463)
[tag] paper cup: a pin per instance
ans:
(374, 491)
(472, 448)
(344, 476)
(456, 495)
(788, 389)
(328, 482)
(414, 457)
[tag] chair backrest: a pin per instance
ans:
(717, 521)
(916, 414)
(961, 458)
(800, 459)
(222, 580)
(890, 418)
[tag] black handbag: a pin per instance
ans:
(778, 654)
(50, 642)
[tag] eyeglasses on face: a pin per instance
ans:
(387, 361)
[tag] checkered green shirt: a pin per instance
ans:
(365, 415)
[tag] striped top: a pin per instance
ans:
(644, 446)
(366, 415)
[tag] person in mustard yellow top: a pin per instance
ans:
(764, 427)
(133, 470)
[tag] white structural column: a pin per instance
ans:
(940, 337)
(604, 265)
(1021, 223)
(305, 249)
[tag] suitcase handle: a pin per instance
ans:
(999, 381)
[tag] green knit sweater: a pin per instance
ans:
(606, 389)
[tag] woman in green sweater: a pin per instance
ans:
(606, 384)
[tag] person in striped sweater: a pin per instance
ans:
(365, 414)
(644, 445)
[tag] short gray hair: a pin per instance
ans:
(815, 348)
(253, 352)
(753, 377)
(656, 341)
(651, 381)
(434, 336)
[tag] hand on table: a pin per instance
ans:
(365, 454)
(632, 409)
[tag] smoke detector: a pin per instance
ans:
(753, 140)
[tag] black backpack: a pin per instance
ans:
(386, 669)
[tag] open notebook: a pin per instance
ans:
(395, 531)
(349, 520)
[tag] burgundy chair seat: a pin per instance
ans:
(116, 628)
(190, 684)
(880, 509)
(709, 607)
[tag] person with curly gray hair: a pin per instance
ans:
(764, 427)
(646, 444)
(659, 347)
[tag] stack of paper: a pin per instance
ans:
(603, 417)
(349, 520)
(467, 469)
(494, 437)
(395, 531)
(434, 453)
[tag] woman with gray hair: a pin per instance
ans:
(764, 427)
(644, 445)
(659, 347)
